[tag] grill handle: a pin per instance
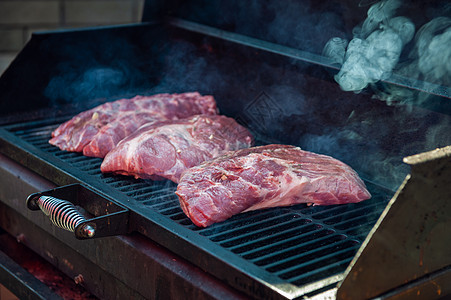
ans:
(73, 213)
(63, 214)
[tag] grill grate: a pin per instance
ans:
(299, 244)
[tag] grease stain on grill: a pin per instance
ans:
(300, 244)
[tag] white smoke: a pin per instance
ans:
(378, 13)
(335, 50)
(429, 62)
(434, 51)
(375, 49)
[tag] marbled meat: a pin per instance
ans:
(263, 177)
(96, 131)
(166, 149)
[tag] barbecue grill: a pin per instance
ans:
(265, 67)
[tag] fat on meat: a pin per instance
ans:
(263, 177)
(165, 149)
(96, 131)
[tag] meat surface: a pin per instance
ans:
(262, 177)
(166, 149)
(96, 131)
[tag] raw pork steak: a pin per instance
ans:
(262, 177)
(98, 130)
(166, 149)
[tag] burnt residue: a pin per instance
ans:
(56, 280)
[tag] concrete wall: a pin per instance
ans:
(19, 18)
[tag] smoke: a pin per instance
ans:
(350, 144)
(187, 68)
(94, 82)
(89, 67)
(378, 14)
(438, 135)
(372, 163)
(435, 61)
(335, 50)
(293, 24)
(375, 49)
(303, 25)
(282, 100)
(375, 142)
(433, 52)
(429, 62)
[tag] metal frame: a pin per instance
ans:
(408, 251)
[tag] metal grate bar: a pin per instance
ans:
(318, 267)
(277, 227)
(89, 165)
(237, 222)
(40, 131)
(66, 155)
(256, 228)
(321, 272)
(356, 221)
(338, 215)
(258, 246)
(308, 241)
(146, 198)
(309, 260)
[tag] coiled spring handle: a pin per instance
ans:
(63, 214)
(83, 211)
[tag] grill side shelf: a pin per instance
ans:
(281, 253)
